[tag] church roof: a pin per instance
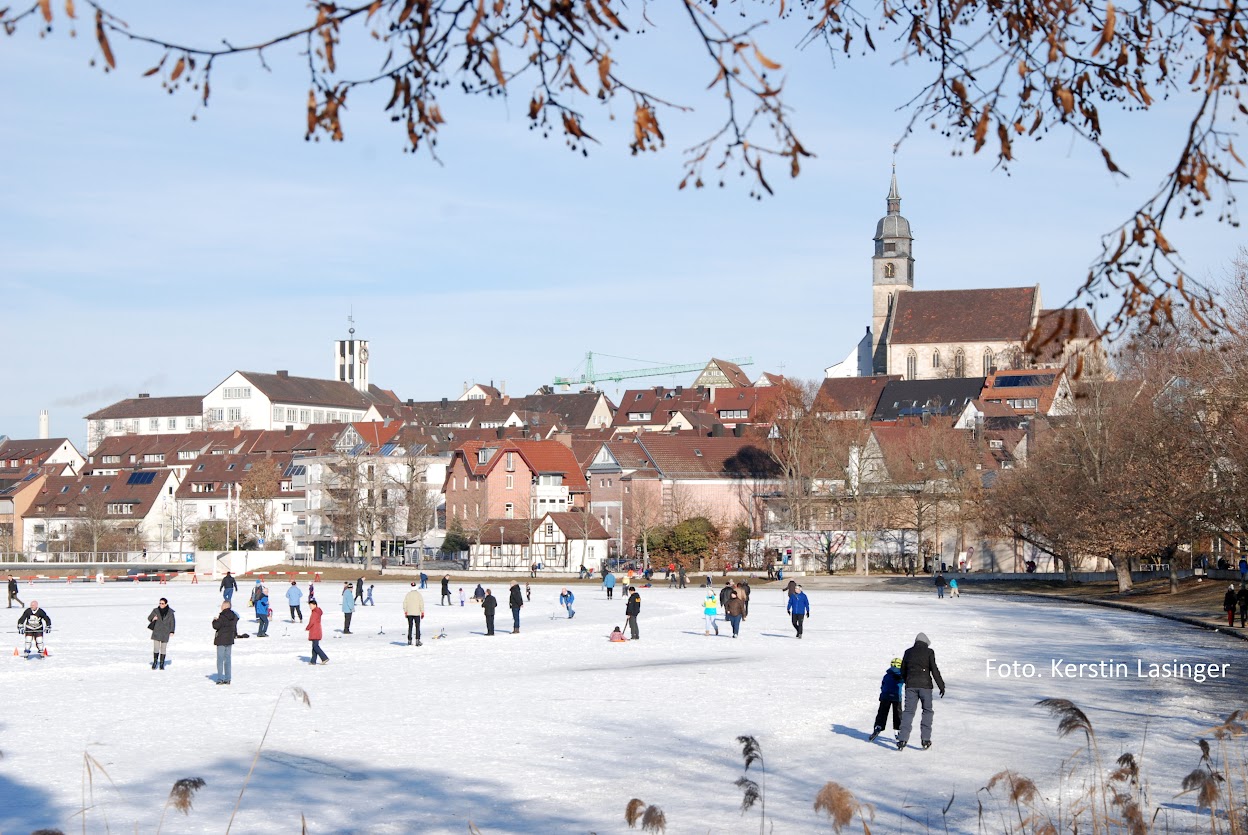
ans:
(949, 316)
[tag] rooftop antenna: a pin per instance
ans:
(351, 321)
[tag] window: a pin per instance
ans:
(236, 392)
(509, 511)
(291, 415)
(935, 359)
(203, 487)
(550, 529)
(121, 508)
(318, 415)
(234, 414)
(278, 411)
(173, 423)
(111, 459)
(199, 468)
(154, 458)
(889, 269)
(733, 414)
(119, 425)
(285, 507)
(216, 414)
(995, 443)
(511, 482)
(639, 415)
(511, 462)
(190, 422)
(154, 424)
(496, 552)
(187, 454)
(305, 415)
(65, 489)
(989, 364)
(551, 480)
(959, 364)
(912, 363)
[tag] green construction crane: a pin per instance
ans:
(589, 377)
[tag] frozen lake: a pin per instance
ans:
(555, 729)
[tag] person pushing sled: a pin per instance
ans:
(34, 624)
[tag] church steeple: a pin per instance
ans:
(894, 196)
(892, 269)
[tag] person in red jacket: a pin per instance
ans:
(314, 632)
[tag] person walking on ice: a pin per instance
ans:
(294, 597)
(226, 627)
(515, 601)
(710, 610)
(608, 583)
(1228, 604)
(263, 612)
(565, 600)
(890, 699)
(315, 631)
(798, 608)
(445, 599)
(414, 609)
(13, 592)
(34, 624)
(161, 622)
(631, 610)
(348, 606)
(918, 671)
(228, 586)
(368, 597)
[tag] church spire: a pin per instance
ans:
(894, 196)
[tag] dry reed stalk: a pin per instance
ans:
(300, 695)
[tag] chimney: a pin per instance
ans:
(738, 430)
(500, 432)
(289, 430)
(411, 402)
(680, 390)
(283, 373)
(712, 393)
(717, 431)
(43, 424)
(502, 387)
(444, 401)
(143, 395)
(238, 431)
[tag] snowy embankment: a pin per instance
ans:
(555, 729)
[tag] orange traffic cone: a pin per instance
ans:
(15, 652)
(45, 652)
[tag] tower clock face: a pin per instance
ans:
(363, 355)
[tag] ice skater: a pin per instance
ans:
(228, 586)
(359, 591)
(710, 610)
(891, 687)
(608, 583)
(631, 610)
(918, 671)
(445, 599)
(368, 598)
(162, 623)
(34, 624)
(263, 612)
(488, 604)
(225, 625)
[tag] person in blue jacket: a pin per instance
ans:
(890, 698)
(262, 613)
(348, 606)
(294, 597)
(565, 600)
(798, 608)
(608, 582)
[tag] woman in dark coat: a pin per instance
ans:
(488, 604)
(1228, 604)
(226, 627)
(517, 600)
(161, 622)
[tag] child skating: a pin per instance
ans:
(890, 699)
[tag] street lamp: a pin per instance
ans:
(500, 543)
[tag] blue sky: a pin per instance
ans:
(144, 251)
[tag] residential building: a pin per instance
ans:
(122, 512)
(557, 541)
(511, 480)
(145, 415)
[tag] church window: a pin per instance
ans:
(959, 364)
(912, 366)
(888, 270)
(935, 359)
(989, 365)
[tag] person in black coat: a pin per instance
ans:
(359, 589)
(1242, 598)
(631, 610)
(918, 671)
(445, 599)
(488, 604)
(1229, 603)
(228, 586)
(226, 626)
(517, 600)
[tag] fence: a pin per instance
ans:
(95, 557)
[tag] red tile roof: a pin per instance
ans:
(924, 317)
(541, 456)
(150, 407)
(851, 394)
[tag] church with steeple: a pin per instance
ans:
(933, 334)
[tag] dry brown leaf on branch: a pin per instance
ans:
(1107, 31)
(311, 113)
(981, 129)
(764, 60)
(497, 65)
(45, 7)
(604, 71)
(69, 9)
(103, 39)
(177, 69)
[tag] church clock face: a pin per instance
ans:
(363, 355)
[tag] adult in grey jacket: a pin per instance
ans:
(919, 670)
(161, 622)
(225, 625)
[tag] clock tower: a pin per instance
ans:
(892, 269)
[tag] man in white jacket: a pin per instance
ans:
(414, 608)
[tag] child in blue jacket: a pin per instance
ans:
(890, 698)
(262, 613)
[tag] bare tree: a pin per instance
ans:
(416, 503)
(255, 500)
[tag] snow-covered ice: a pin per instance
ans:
(555, 729)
